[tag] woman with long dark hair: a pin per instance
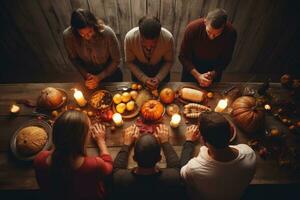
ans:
(93, 48)
(67, 172)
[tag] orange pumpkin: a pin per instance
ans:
(246, 114)
(152, 110)
(167, 95)
(286, 80)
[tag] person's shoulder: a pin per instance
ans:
(245, 149)
(68, 33)
(108, 31)
(123, 177)
(231, 30)
(94, 161)
(196, 25)
(133, 33)
(170, 175)
(40, 159)
(166, 33)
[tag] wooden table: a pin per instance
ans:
(19, 175)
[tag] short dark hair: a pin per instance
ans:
(149, 27)
(147, 151)
(215, 129)
(217, 18)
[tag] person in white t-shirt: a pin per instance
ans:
(220, 171)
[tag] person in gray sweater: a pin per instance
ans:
(93, 49)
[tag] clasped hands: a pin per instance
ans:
(91, 81)
(205, 79)
(152, 83)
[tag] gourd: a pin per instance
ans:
(247, 115)
(152, 110)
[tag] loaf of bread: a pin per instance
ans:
(31, 140)
(191, 94)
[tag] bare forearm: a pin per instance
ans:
(78, 65)
(195, 73)
(164, 70)
(109, 70)
(137, 72)
(103, 148)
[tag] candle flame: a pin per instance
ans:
(267, 107)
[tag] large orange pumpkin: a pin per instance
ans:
(152, 110)
(246, 114)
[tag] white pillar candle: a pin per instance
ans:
(175, 120)
(222, 104)
(14, 109)
(117, 119)
(79, 98)
(267, 107)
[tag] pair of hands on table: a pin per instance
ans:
(152, 83)
(132, 133)
(91, 81)
(205, 79)
(98, 134)
(192, 133)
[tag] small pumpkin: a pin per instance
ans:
(167, 95)
(50, 98)
(152, 110)
(247, 115)
(286, 80)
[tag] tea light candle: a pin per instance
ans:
(79, 98)
(222, 104)
(267, 107)
(117, 119)
(175, 120)
(14, 109)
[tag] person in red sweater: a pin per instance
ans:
(67, 172)
(207, 48)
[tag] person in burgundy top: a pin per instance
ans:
(67, 172)
(207, 48)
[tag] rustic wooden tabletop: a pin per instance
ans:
(15, 174)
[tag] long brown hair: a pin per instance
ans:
(82, 18)
(70, 131)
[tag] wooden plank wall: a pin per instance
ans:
(31, 36)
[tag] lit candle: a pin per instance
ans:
(175, 120)
(14, 109)
(79, 98)
(222, 104)
(267, 107)
(117, 118)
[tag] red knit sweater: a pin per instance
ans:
(87, 179)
